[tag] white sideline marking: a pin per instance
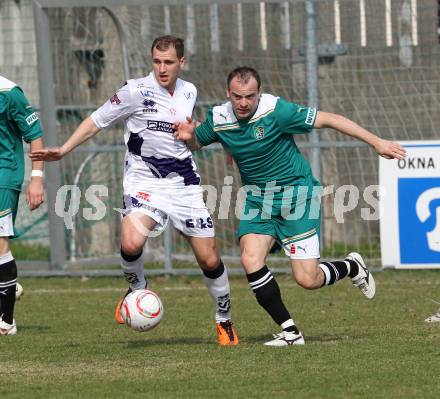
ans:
(282, 284)
(104, 289)
(41, 291)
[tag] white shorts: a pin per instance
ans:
(303, 249)
(184, 206)
(7, 226)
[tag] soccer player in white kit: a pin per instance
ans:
(160, 177)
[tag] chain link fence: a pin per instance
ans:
(378, 65)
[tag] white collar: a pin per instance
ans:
(179, 83)
(6, 84)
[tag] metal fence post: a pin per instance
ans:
(311, 58)
(123, 40)
(312, 79)
(168, 249)
(49, 118)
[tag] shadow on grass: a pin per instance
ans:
(258, 339)
(33, 328)
(135, 344)
(329, 338)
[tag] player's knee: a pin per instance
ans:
(4, 245)
(131, 247)
(307, 280)
(209, 261)
(250, 260)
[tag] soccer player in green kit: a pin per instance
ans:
(283, 202)
(18, 122)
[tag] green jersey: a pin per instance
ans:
(263, 146)
(18, 122)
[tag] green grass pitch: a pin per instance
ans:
(68, 345)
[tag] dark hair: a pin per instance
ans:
(244, 73)
(163, 43)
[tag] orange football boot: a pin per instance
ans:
(226, 334)
(118, 316)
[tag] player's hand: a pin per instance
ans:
(390, 149)
(184, 130)
(35, 193)
(47, 154)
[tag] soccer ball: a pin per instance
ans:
(142, 310)
(18, 291)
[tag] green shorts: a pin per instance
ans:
(8, 210)
(287, 220)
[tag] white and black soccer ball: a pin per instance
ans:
(18, 291)
(142, 310)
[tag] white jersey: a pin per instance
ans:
(148, 111)
(6, 84)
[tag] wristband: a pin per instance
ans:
(37, 173)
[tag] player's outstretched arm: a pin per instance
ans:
(185, 131)
(385, 148)
(84, 131)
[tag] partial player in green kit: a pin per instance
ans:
(18, 122)
(283, 198)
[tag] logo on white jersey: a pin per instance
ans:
(149, 105)
(160, 126)
(143, 196)
(189, 95)
(147, 92)
(115, 99)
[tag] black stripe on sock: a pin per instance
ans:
(216, 273)
(8, 283)
(254, 276)
(130, 258)
(293, 329)
(337, 269)
(8, 271)
(8, 274)
(332, 272)
(269, 296)
(354, 268)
